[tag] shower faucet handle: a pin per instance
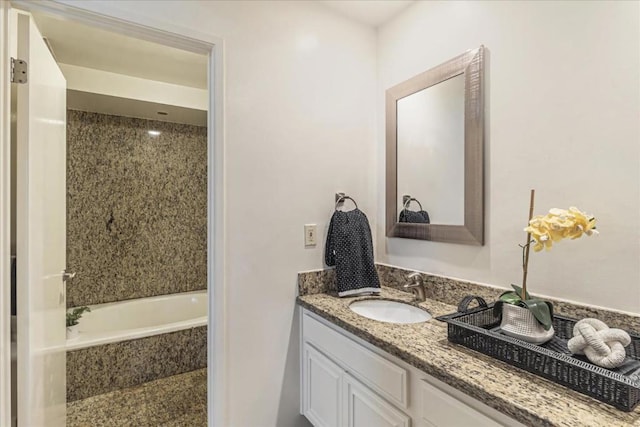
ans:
(67, 276)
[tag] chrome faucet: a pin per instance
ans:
(416, 286)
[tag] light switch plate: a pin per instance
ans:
(310, 232)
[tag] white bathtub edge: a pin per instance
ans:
(92, 338)
(78, 344)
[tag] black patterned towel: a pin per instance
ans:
(350, 248)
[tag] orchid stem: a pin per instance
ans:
(525, 261)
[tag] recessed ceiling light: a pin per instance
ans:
(154, 133)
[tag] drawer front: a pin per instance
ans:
(384, 377)
(442, 410)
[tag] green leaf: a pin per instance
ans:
(550, 309)
(519, 291)
(75, 315)
(541, 310)
(511, 297)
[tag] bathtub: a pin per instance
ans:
(138, 318)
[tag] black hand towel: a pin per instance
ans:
(350, 248)
(420, 217)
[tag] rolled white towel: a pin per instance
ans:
(602, 346)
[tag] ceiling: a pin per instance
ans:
(81, 45)
(370, 12)
(115, 106)
(91, 47)
(85, 46)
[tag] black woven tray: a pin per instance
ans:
(479, 330)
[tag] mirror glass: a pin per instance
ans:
(435, 153)
(431, 153)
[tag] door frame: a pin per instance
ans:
(142, 27)
(5, 218)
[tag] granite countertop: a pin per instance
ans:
(524, 397)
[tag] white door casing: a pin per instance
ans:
(40, 233)
(5, 223)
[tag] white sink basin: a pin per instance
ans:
(389, 311)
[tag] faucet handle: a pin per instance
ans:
(417, 279)
(417, 286)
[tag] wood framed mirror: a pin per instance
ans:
(435, 153)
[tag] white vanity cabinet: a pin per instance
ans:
(322, 394)
(347, 382)
(331, 397)
(363, 408)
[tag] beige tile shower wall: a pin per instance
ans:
(136, 208)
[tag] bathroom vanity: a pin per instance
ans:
(361, 372)
(347, 381)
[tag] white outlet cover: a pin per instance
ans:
(310, 234)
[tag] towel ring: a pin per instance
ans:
(341, 197)
(408, 200)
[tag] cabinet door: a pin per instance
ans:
(363, 408)
(385, 378)
(439, 409)
(322, 391)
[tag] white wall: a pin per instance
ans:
(563, 111)
(299, 121)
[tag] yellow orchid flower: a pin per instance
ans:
(542, 232)
(559, 224)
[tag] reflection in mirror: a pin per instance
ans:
(434, 154)
(419, 216)
(431, 150)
